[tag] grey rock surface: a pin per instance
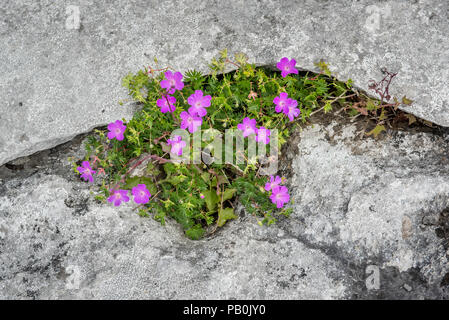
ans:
(370, 220)
(61, 76)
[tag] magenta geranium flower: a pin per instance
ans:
(248, 127)
(141, 194)
(176, 145)
(172, 82)
(280, 196)
(198, 103)
(263, 135)
(274, 182)
(117, 196)
(166, 103)
(281, 102)
(287, 66)
(86, 171)
(116, 130)
(190, 122)
(291, 110)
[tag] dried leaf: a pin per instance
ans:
(411, 118)
(376, 131)
(362, 111)
(406, 101)
(428, 123)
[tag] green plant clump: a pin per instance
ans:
(203, 196)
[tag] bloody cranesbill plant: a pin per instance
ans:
(281, 102)
(198, 103)
(118, 196)
(248, 127)
(190, 122)
(280, 196)
(116, 130)
(86, 171)
(136, 156)
(263, 135)
(172, 82)
(287, 66)
(177, 145)
(141, 194)
(291, 110)
(166, 103)
(274, 182)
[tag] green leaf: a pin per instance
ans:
(177, 179)
(376, 131)
(205, 176)
(323, 67)
(370, 106)
(165, 147)
(196, 232)
(211, 199)
(224, 53)
(406, 101)
(228, 194)
(411, 118)
(225, 215)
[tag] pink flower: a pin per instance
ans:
(263, 135)
(192, 122)
(280, 196)
(141, 194)
(116, 130)
(166, 106)
(291, 111)
(198, 103)
(248, 127)
(202, 196)
(86, 171)
(287, 66)
(176, 145)
(172, 82)
(274, 182)
(281, 102)
(118, 196)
